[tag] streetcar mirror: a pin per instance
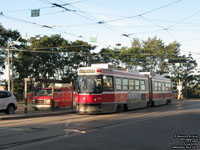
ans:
(104, 77)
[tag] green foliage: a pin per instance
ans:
(6, 37)
(153, 55)
(56, 58)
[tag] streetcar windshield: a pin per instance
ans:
(89, 84)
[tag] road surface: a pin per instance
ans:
(175, 126)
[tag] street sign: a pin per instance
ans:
(35, 13)
(93, 39)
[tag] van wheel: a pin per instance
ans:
(10, 110)
(119, 108)
(35, 109)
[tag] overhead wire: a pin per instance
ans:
(88, 17)
(101, 22)
(49, 27)
(147, 12)
(104, 22)
(86, 54)
(142, 17)
(40, 25)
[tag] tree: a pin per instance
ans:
(77, 55)
(108, 55)
(43, 62)
(7, 37)
(53, 58)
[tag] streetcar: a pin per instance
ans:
(104, 89)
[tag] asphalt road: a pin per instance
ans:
(175, 126)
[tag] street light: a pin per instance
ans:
(118, 45)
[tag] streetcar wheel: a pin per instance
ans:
(150, 104)
(168, 101)
(119, 108)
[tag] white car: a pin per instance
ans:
(8, 102)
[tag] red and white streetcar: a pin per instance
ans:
(102, 89)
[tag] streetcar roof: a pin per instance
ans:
(96, 70)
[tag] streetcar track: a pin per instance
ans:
(92, 125)
(14, 144)
(73, 117)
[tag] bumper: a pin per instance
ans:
(89, 108)
(98, 108)
(41, 106)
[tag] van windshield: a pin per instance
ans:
(90, 84)
(45, 92)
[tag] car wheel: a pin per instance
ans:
(10, 109)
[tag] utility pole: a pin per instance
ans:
(8, 47)
(12, 70)
(8, 67)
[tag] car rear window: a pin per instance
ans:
(4, 94)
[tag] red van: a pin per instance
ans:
(63, 97)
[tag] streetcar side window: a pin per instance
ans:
(125, 84)
(142, 85)
(163, 86)
(168, 86)
(118, 83)
(131, 84)
(156, 86)
(108, 84)
(159, 86)
(137, 85)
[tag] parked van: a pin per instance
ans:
(8, 102)
(63, 97)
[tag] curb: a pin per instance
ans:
(27, 116)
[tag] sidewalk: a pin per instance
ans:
(34, 114)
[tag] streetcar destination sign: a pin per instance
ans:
(87, 71)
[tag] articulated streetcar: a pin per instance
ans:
(102, 89)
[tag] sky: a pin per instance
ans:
(110, 21)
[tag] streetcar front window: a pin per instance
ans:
(89, 84)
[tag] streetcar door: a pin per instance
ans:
(150, 90)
